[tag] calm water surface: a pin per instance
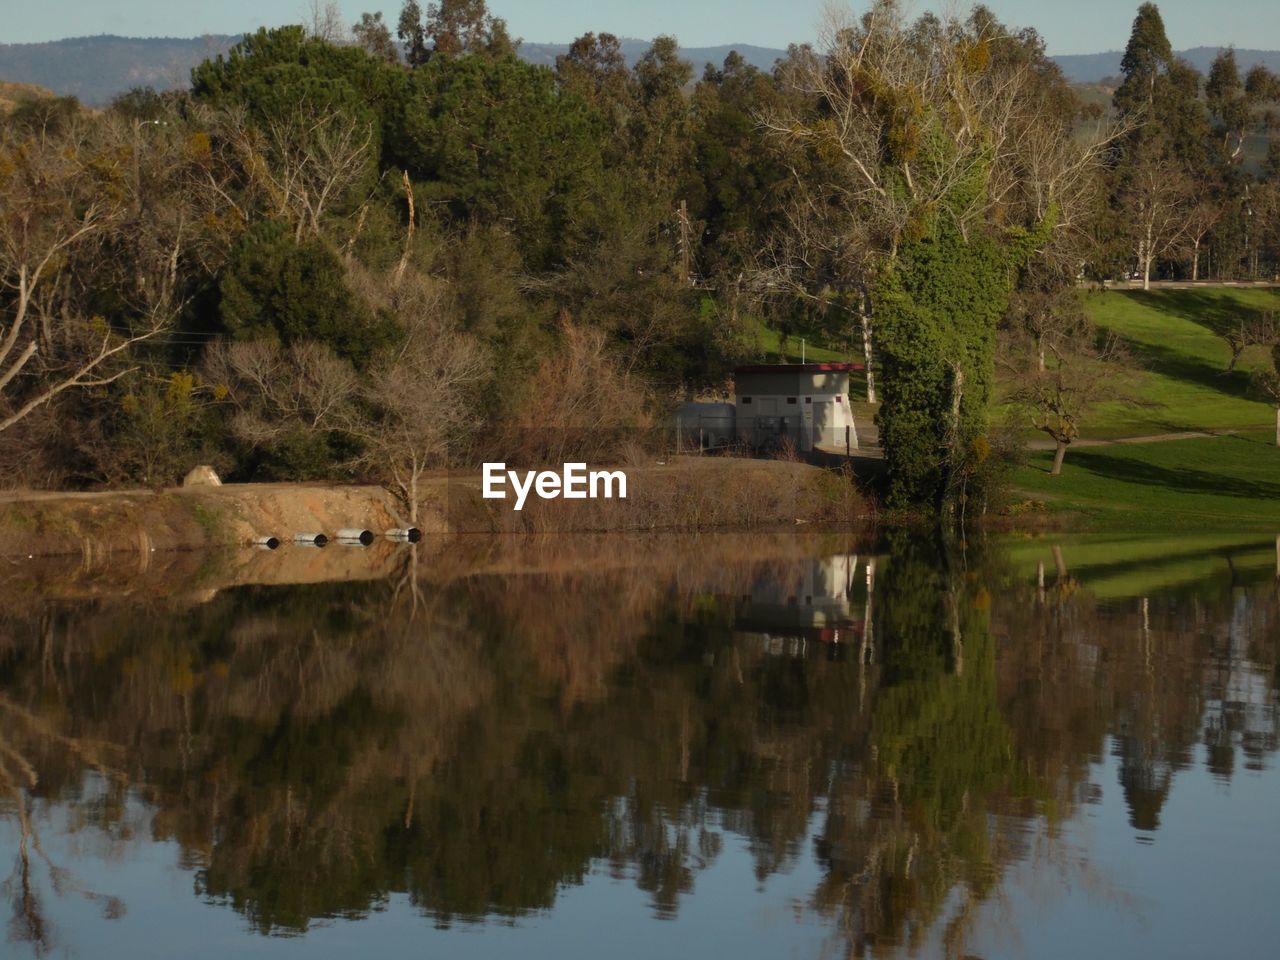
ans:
(748, 747)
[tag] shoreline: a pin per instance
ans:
(689, 494)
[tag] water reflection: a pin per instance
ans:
(496, 723)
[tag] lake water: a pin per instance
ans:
(636, 747)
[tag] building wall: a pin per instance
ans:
(766, 413)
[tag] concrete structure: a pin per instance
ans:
(706, 426)
(805, 403)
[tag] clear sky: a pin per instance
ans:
(1069, 26)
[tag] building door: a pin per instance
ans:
(806, 425)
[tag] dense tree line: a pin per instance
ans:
(236, 273)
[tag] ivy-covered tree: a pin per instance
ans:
(949, 170)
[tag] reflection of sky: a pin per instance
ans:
(1205, 884)
(729, 912)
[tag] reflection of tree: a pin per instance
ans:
(483, 741)
(27, 735)
(915, 827)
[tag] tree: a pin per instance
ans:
(1251, 331)
(279, 289)
(919, 133)
(1266, 383)
(1058, 397)
(1157, 203)
(307, 162)
(1205, 214)
(287, 403)
(660, 123)
(1148, 56)
(454, 28)
(737, 187)
(163, 426)
(492, 142)
(413, 34)
(1045, 308)
(373, 36)
(270, 72)
(419, 397)
(62, 196)
(1228, 103)
(595, 70)
(324, 21)
(459, 27)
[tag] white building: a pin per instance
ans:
(807, 403)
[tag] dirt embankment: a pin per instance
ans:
(141, 522)
(688, 494)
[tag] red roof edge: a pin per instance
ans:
(844, 367)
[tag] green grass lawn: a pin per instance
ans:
(1226, 483)
(1229, 483)
(1180, 383)
(768, 345)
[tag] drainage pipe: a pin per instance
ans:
(411, 534)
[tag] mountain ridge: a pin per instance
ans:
(97, 68)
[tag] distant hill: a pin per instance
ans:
(633, 50)
(95, 69)
(1095, 67)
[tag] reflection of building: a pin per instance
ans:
(824, 598)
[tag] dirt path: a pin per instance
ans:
(1153, 438)
(869, 438)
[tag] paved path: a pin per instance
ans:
(1182, 284)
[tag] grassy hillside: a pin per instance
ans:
(1228, 482)
(1212, 483)
(1181, 383)
(768, 344)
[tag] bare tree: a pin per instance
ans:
(1256, 331)
(1057, 398)
(324, 22)
(1267, 384)
(60, 199)
(306, 162)
(277, 390)
(1157, 202)
(1201, 219)
(417, 398)
(1045, 307)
